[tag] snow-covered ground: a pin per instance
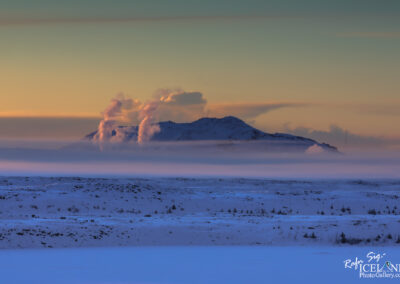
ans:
(60, 212)
(195, 265)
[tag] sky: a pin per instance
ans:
(326, 69)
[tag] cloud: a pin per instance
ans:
(340, 137)
(183, 98)
(176, 105)
(179, 105)
(46, 127)
(186, 106)
(378, 109)
(247, 110)
(38, 21)
(182, 106)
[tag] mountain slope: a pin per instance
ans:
(228, 128)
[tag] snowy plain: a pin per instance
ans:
(56, 212)
(156, 216)
(193, 230)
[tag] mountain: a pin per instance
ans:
(219, 129)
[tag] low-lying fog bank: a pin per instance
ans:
(207, 158)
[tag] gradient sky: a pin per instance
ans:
(340, 59)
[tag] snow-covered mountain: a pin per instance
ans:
(217, 129)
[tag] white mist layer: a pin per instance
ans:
(193, 159)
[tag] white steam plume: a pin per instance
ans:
(315, 150)
(117, 111)
(147, 128)
(123, 109)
